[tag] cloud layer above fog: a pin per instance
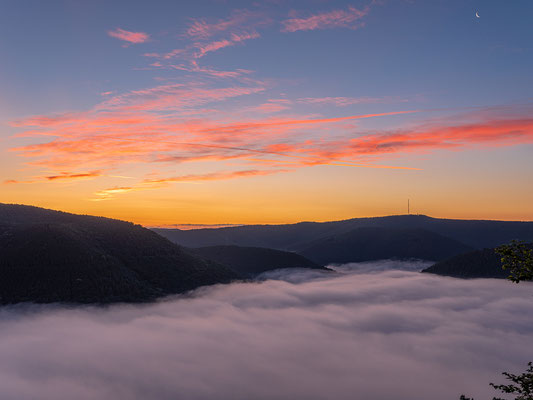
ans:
(370, 336)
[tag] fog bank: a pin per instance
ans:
(363, 333)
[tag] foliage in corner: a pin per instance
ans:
(517, 258)
(522, 384)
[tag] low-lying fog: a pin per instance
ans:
(364, 333)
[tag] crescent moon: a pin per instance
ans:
(477, 15)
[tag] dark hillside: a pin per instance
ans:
(475, 264)
(297, 237)
(365, 244)
(49, 256)
(252, 261)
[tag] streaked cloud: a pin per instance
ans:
(234, 38)
(204, 29)
(156, 183)
(130, 37)
(228, 116)
(69, 175)
(349, 101)
(176, 96)
(203, 49)
(272, 106)
(170, 124)
(348, 18)
(62, 176)
(214, 176)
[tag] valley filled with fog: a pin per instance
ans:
(373, 331)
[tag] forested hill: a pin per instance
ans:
(50, 256)
(296, 237)
(374, 243)
(252, 261)
(476, 264)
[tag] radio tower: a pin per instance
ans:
(408, 211)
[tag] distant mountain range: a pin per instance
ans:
(52, 256)
(364, 239)
(374, 243)
(473, 233)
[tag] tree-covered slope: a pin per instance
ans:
(373, 243)
(475, 264)
(295, 237)
(252, 261)
(48, 256)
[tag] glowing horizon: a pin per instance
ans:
(268, 113)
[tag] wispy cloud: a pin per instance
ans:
(489, 132)
(333, 19)
(272, 106)
(156, 183)
(232, 40)
(174, 97)
(69, 176)
(210, 120)
(206, 37)
(203, 29)
(203, 49)
(63, 176)
(214, 176)
(349, 101)
(130, 37)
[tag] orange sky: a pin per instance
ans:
(270, 115)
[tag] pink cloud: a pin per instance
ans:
(332, 19)
(348, 101)
(487, 132)
(203, 49)
(213, 72)
(142, 134)
(184, 122)
(201, 29)
(63, 176)
(214, 176)
(272, 106)
(130, 37)
(235, 37)
(70, 175)
(150, 184)
(177, 97)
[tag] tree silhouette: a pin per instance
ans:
(517, 257)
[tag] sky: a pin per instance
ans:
(357, 334)
(239, 112)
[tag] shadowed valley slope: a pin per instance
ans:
(50, 256)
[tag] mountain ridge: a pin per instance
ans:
(50, 256)
(252, 261)
(295, 237)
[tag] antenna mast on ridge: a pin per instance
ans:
(408, 210)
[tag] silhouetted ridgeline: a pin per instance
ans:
(477, 234)
(475, 264)
(51, 256)
(252, 261)
(373, 243)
